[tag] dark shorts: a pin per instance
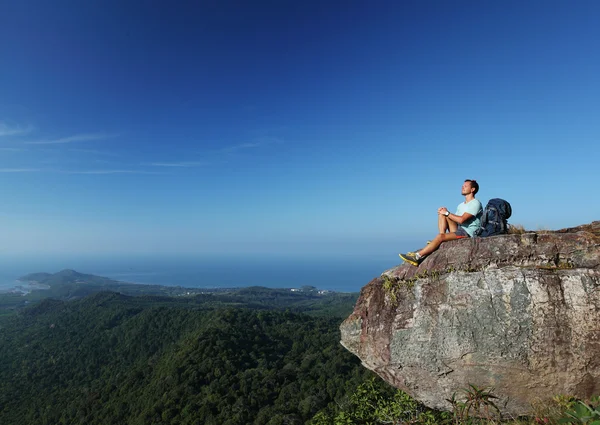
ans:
(461, 233)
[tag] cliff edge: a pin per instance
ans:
(519, 313)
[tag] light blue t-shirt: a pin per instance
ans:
(474, 208)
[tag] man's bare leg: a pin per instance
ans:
(445, 224)
(436, 242)
(452, 225)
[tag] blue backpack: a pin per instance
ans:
(493, 219)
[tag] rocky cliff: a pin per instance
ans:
(519, 313)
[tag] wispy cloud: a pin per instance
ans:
(93, 152)
(20, 170)
(107, 171)
(11, 149)
(263, 141)
(62, 171)
(13, 130)
(178, 164)
(73, 139)
(219, 155)
(241, 147)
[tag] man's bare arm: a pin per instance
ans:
(460, 219)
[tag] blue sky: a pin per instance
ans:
(285, 127)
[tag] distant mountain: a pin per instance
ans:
(66, 276)
(35, 277)
(67, 285)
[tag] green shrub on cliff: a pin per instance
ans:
(375, 402)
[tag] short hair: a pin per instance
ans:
(474, 185)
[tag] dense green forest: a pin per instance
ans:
(111, 358)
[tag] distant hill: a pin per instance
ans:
(35, 277)
(69, 285)
(67, 276)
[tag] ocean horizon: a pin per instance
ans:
(341, 274)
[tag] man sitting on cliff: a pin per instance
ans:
(459, 225)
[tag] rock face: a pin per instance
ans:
(519, 313)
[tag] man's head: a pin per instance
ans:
(470, 187)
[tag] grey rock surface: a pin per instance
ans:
(516, 313)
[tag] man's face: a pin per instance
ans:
(466, 188)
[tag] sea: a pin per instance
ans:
(340, 274)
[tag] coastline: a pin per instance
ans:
(24, 287)
(335, 274)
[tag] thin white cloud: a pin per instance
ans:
(107, 171)
(241, 147)
(20, 170)
(218, 155)
(73, 139)
(267, 140)
(178, 164)
(13, 130)
(90, 172)
(93, 152)
(104, 162)
(12, 149)
(263, 141)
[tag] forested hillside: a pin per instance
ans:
(110, 358)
